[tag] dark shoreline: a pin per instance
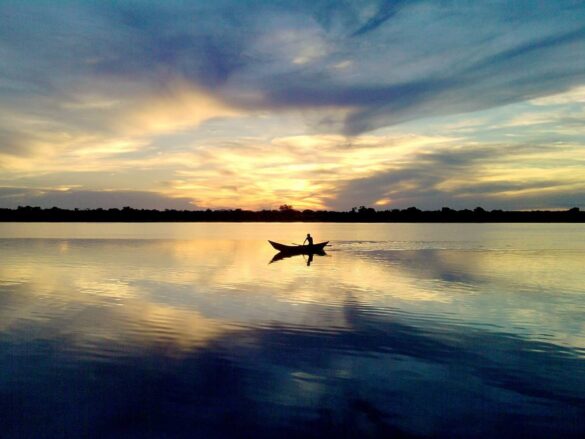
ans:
(361, 215)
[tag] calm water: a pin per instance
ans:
(186, 330)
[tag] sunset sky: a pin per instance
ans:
(318, 104)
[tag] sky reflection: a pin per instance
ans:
(150, 337)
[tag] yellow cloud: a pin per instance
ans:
(302, 170)
(383, 202)
(180, 106)
(574, 95)
(118, 125)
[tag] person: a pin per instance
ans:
(308, 239)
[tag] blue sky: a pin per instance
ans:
(318, 104)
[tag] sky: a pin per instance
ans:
(317, 104)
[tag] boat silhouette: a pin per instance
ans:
(287, 251)
(299, 249)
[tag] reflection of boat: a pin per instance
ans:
(282, 255)
(299, 249)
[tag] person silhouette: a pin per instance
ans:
(308, 239)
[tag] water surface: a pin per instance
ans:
(187, 330)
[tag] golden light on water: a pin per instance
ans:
(106, 275)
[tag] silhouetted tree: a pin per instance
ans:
(287, 213)
(366, 210)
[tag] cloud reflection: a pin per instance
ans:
(172, 336)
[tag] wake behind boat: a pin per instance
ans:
(299, 249)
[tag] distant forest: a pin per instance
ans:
(287, 213)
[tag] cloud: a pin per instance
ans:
(386, 11)
(135, 86)
(330, 171)
(467, 59)
(87, 199)
(302, 170)
(494, 176)
(280, 55)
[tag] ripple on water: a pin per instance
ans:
(384, 335)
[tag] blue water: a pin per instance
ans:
(187, 330)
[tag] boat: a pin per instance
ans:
(299, 249)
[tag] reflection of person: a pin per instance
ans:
(309, 238)
(310, 259)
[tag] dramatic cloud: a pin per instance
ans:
(494, 176)
(71, 198)
(255, 103)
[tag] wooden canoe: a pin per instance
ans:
(299, 249)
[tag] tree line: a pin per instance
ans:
(287, 213)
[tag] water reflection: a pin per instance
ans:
(202, 338)
(308, 257)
